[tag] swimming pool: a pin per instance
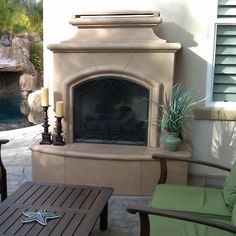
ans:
(11, 116)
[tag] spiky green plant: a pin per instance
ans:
(176, 109)
(36, 56)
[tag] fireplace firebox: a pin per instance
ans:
(110, 110)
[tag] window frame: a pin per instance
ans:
(211, 60)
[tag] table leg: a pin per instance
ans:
(104, 218)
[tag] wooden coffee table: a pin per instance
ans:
(79, 208)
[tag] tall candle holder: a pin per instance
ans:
(46, 136)
(58, 138)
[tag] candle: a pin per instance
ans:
(44, 97)
(59, 109)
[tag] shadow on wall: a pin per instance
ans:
(213, 141)
(190, 68)
(224, 141)
(172, 32)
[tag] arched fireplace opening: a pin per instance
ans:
(110, 109)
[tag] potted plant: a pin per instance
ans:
(175, 115)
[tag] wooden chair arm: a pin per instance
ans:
(3, 179)
(3, 141)
(143, 212)
(164, 159)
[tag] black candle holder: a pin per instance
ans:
(58, 138)
(46, 136)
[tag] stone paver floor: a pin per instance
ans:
(16, 157)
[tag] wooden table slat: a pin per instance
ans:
(90, 199)
(61, 199)
(73, 196)
(51, 225)
(74, 224)
(11, 228)
(54, 196)
(42, 199)
(81, 198)
(93, 213)
(35, 230)
(18, 193)
(64, 222)
(39, 192)
(25, 228)
(6, 214)
(3, 208)
(30, 191)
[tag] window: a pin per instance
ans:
(224, 87)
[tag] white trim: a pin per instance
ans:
(211, 60)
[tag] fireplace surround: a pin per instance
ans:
(120, 50)
(116, 45)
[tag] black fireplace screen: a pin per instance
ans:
(110, 110)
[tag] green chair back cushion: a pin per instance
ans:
(229, 189)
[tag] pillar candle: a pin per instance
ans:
(59, 109)
(44, 97)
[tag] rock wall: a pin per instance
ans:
(18, 74)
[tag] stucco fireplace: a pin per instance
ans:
(110, 76)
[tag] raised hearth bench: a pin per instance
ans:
(129, 169)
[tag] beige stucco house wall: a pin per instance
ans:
(189, 22)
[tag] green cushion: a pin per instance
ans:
(162, 226)
(229, 189)
(207, 201)
(234, 215)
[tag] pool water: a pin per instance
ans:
(11, 116)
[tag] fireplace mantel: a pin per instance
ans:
(116, 32)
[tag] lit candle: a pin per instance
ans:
(59, 109)
(44, 97)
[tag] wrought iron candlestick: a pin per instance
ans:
(46, 136)
(58, 138)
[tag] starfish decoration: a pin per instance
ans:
(40, 216)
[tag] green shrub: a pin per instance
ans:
(36, 56)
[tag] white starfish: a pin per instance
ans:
(40, 216)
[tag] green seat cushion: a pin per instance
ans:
(229, 189)
(162, 226)
(234, 215)
(207, 201)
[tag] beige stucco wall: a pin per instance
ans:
(192, 24)
(189, 22)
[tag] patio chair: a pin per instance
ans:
(3, 174)
(182, 210)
